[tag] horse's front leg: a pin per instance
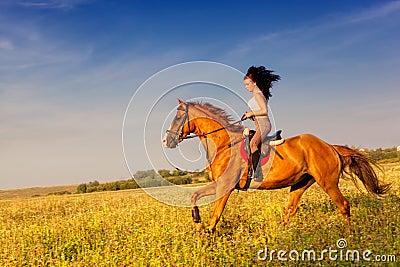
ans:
(209, 189)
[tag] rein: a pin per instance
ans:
(214, 131)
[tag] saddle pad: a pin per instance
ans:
(246, 156)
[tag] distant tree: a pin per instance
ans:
(178, 172)
(180, 180)
(110, 187)
(146, 174)
(92, 189)
(94, 183)
(82, 188)
(382, 154)
(59, 193)
(131, 184)
(117, 185)
(164, 173)
(140, 174)
(175, 172)
(150, 182)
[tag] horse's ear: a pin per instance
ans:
(180, 102)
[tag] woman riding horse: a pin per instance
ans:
(258, 81)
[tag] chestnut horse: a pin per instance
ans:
(302, 161)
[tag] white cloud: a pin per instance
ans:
(54, 4)
(6, 44)
(319, 32)
(375, 12)
(24, 45)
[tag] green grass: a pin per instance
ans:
(129, 228)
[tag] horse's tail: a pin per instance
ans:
(355, 164)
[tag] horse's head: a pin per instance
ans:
(180, 126)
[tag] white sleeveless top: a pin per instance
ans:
(253, 104)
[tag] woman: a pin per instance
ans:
(258, 81)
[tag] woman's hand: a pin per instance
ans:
(247, 115)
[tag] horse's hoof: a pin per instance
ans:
(200, 227)
(211, 230)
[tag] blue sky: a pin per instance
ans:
(69, 68)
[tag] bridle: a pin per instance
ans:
(179, 133)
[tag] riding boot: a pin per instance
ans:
(255, 157)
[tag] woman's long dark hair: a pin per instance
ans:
(263, 78)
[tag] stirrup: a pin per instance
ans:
(257, 175)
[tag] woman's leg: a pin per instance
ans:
(255, 153)
(263, 127)
(255, 141)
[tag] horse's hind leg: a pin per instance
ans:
(330, 185)
(340, 201)
(296, 191)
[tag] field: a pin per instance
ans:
(36, 191)
(129, 228)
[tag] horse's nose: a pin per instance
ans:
(164, 140)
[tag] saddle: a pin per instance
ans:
(264, 147)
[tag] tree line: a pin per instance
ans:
(384, 154)
(148, 178)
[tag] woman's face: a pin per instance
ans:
(249, 84)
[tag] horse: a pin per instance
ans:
(302, 161)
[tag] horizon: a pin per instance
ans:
(69, 69)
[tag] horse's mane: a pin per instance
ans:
(219, 115)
